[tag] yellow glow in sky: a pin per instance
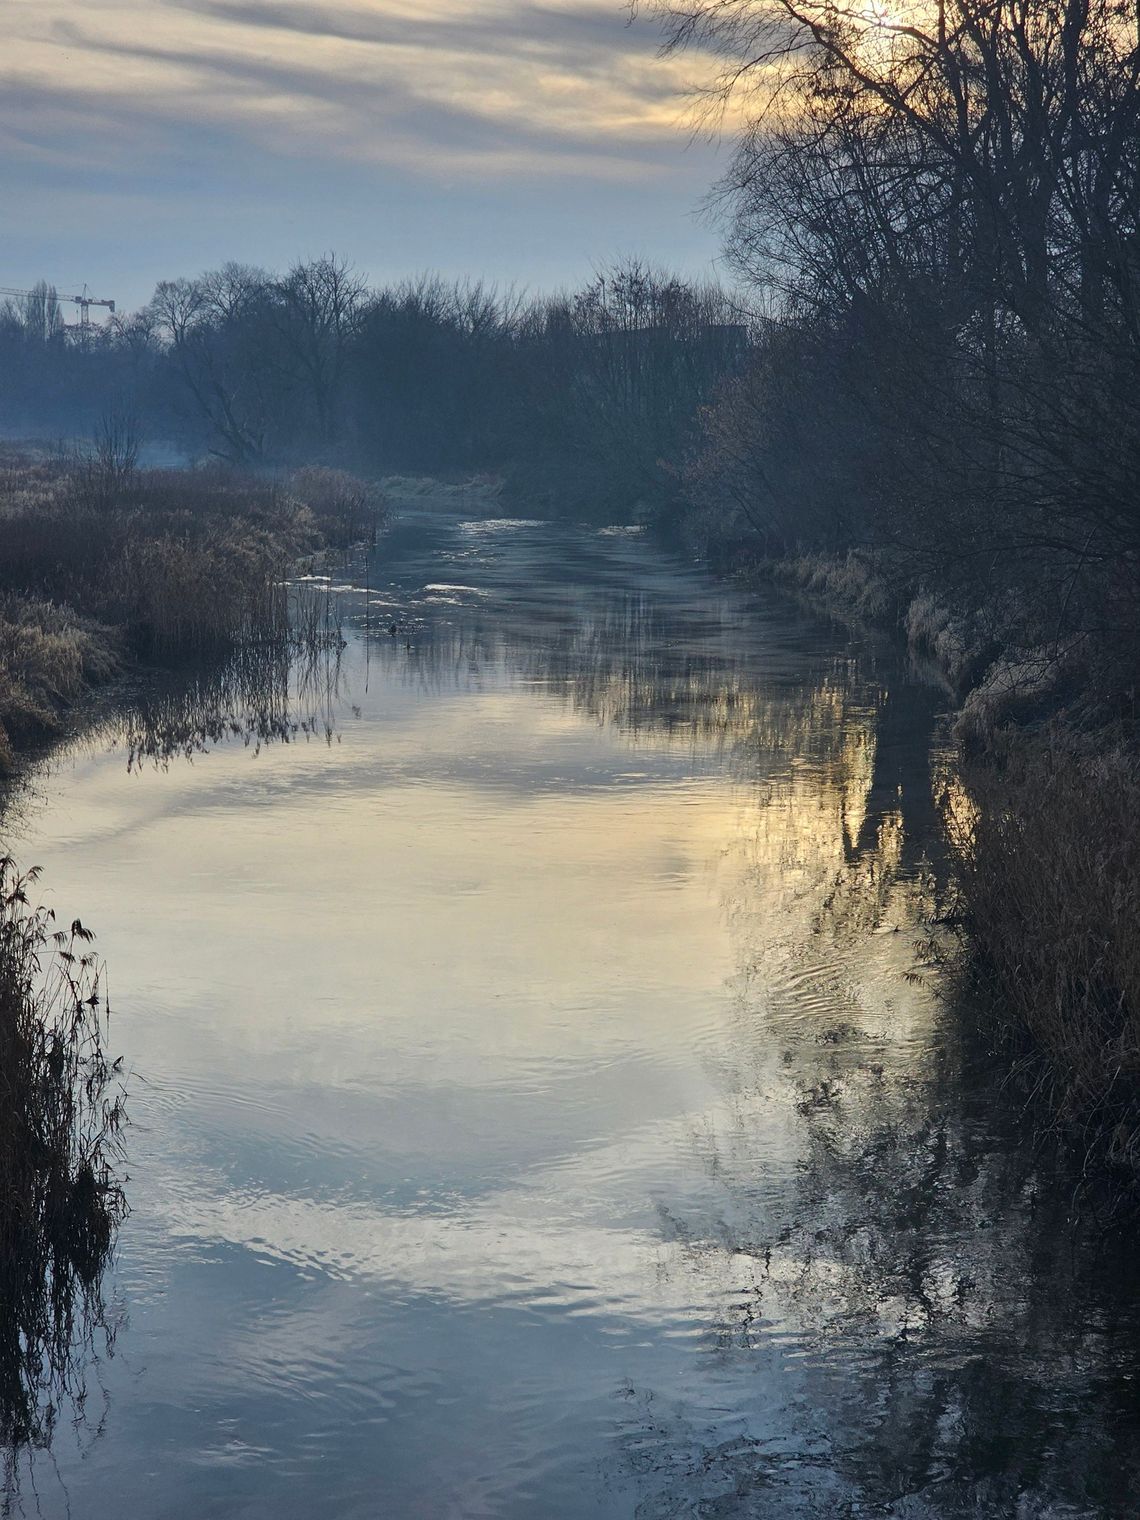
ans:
(441, 86)
(145, 138)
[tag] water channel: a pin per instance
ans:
(539, 1107)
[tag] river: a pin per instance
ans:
(540, 1107)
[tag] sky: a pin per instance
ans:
(523, 141)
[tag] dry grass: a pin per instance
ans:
(179, 562)
(948, 639)
(349, 509)
(1049, 875)
(48, 657)
(852, 586)
(873, 589)
(61, 1114)
(158, 564)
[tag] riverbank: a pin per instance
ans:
(1045, 836)
(105, 566)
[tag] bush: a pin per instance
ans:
(346, 507)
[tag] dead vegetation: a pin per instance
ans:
(1048, 855)
(103, 562)
(848, 585)
(61, 1198)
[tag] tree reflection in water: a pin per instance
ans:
(259, 695)
(916, 1311)
(929, 1315)
(926, 1318)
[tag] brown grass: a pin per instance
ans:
(48, 657)
(1049, 874)
(848, 586)
(349, 509)
(159, 564)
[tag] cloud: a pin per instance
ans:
(505, 89)
(516, 29)
(220, 105)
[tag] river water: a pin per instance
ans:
(539, 1109)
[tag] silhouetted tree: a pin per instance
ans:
(942, 202)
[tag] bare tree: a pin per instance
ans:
(316, 310)
(42, 318)
(952, 191)
(214, 326)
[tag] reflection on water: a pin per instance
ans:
(963, 1344)
(263, 693)
(540, 1111)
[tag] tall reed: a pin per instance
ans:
(162, 564)
(61, 1189)
(1049, 873)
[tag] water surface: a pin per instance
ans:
(538, 1108)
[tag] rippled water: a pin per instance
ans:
(536, 1110)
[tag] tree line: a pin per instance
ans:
(587, 401)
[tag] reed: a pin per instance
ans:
(1048, 851)
(48, 657)
(102, 563)
(851, 586)
(349, 508)
(61, 1194)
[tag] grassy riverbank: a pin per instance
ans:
(105, 565)
(1044, 831)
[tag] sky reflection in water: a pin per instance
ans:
(533, 1114)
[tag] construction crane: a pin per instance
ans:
(85, 302)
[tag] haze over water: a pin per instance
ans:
(536, 1110)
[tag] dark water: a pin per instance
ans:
(537, 1112)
